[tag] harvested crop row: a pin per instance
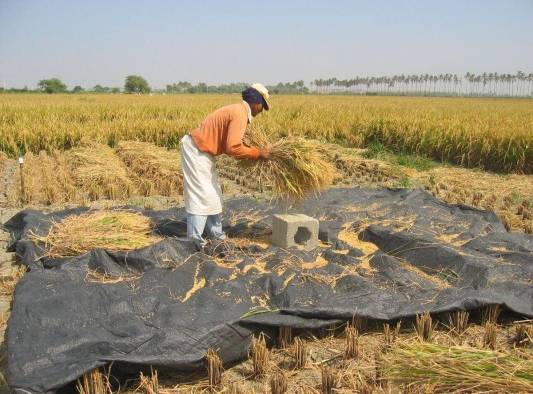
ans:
(99, 172)
(157, 169)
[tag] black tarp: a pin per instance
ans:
(385, 254)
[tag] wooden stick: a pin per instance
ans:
(22, 188)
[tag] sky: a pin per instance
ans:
(101, 42)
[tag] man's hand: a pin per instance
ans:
(265, 154)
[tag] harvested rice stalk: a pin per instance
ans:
(360, 323)
(296, 167)
(391, 335)
(259, 354)
(214, 368)
(329, 381)
(300, 353)
(352, 342)
(424, 326)
(95, 382)
(490, 333)
(523, 335)
(284, 337)
(458, 322)
(149, 385)
(452, 369)
(99, 172)
(158, 170)
(278, 383)
(112, 230)
(490, 313)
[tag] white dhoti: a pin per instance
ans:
(201, 188)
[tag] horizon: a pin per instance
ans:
(166, 42)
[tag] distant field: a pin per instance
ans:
(494, 134)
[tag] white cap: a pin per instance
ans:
(264, 92)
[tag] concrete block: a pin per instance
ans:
(295, 230)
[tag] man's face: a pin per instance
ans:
(256, 109)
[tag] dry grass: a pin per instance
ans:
(112, 230)
(99, 172)
(158, 170)
(453, 369)
(105, 278)
(94, 382)
(9, 282)
(296, 167)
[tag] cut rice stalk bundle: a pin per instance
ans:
(454, 369)
(296, 167)
(99, 172)
(158, 170)
(111, 230)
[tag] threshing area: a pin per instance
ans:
(379, 306)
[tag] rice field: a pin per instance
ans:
(493, 134)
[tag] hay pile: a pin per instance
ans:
(99, 172)
(111, 230)
(454, 369)
(297, 167)
(158, 170)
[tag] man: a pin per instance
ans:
(221, 132)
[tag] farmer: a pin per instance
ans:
(221, 132)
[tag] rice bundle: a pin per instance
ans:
(458, 368)
(99, 172)
(296, 167)
(158, 169)
(111, 230)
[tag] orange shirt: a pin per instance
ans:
(222, 132)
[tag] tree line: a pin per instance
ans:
(519, 84)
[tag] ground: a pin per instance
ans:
(510, 196)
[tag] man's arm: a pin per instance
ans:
(234, 143)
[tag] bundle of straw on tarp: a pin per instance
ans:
(459, 369)
(112, 230)
(158, 170)
(296, 167)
